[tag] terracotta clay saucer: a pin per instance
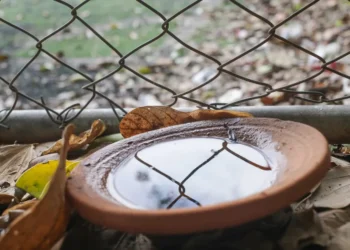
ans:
(306, 160)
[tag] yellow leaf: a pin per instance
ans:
(34, 180)
(44, 223)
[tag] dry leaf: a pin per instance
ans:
(145, 119)
(5, 199)
(78, 142)
(43, 159)
(305, 229)
(337, 226)
(21, 206)
(304, 203)
(335, 187)
(340, 163)
(149, 118)
(14, 160)
(334, 219)
(35, 179)
(41, 147)
(41, 226)
(206, 114)
(341, 239)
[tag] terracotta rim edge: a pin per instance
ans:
(102, 211)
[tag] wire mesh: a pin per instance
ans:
(61, 118)
(65, 116)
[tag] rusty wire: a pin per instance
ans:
(63, 117)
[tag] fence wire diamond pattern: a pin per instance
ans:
(65, 116)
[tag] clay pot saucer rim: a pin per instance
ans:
(307, 180)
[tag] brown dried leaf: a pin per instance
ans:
(335, 187)
(14, 160)
(206, 114)
(22, 206)
(5, 199)
(149, 118)
(145, 119)
(78, 142)
(43, 224)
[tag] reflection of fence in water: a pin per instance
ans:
(169, 202)
(65, 116)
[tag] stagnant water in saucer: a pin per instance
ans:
(224, 178)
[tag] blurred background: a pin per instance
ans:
(220, 29)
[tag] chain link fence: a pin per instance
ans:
(266, 88)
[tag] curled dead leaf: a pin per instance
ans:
(22, 206)
(149, 118)
(79, 141)
(7, 219)
(44, 223)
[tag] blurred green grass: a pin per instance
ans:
(113, 19)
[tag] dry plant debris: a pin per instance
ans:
(321, 220)
(14, 160)
(144, 119)
(80, 141)
(43, 224)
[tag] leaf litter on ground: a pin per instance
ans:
(43, 224)
(308, 227)
(14, 160)
(328, 230)
(330, 227)
(334, 189)
(77, 142)
(36, 172)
